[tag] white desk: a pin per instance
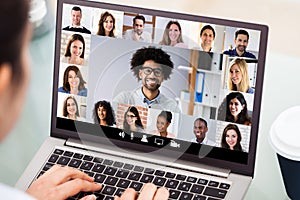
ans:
(280, 92)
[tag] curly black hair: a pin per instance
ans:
(151, 53)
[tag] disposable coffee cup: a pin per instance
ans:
(285, 139)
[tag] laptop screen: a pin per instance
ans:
(156, 80)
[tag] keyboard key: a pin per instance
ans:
(214, 192)
(88, 158)
(202, 181)
(108, 162)
(98, 168)
(128, 166)
(174, 194)
(199, 197)
(58, 151)
(83, 194)
(147, 178)
(109, 190)
(197, 189)
(98, 160)
(170, 175)
(159, 181)
(225, 186)
(123, 183)
(119, 192)
(110, 171)
(122, 173)
(111, 181)
(99, 196)
(40, 174)
(186, 196)
(118, 164)
(211, 198)
(86, 165)
(159, 173)
(184, 186)
(47, 166)
(180, 177)
(91, 174)
(75, 163)
(213, 183)
(191, 179)
(63, 160)
(109, 198)
(149, 171)
(99, 178)
(68, 154)
(78, 155)
(138, 169)
(53, 158)
(172, 184)
(135, 176)
(137, 186)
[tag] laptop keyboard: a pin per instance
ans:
(116, 176)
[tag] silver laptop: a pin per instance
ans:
(144, 140)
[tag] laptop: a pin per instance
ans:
(131, 148)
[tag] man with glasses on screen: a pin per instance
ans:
(151, 66)
(138, 33)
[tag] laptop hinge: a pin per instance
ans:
(154, 159)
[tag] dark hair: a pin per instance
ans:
(201, 120)
(73, 38)
(65, 111)
(101, 30)
(76, 8)
(234, 127)
(141, 17)
(243, 117)
(151, 53)
(14, 20)
(66, 84)
(208, 27)
(166, 114)
(241, 32)
(138, 122)
(110, 115)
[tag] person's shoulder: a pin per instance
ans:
(250, 55)
(181, 45)
(125, 96)
(250, 90)
(210, 142)
(83, 92)
(171, 135)
(228, 52)
(10, 193)
(66, 28)
(85, 30)
(128, 34)
(61, 89)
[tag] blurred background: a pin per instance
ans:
(280, 84)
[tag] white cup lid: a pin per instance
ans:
(285, 134)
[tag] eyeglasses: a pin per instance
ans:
(130, 116)
(148, 70)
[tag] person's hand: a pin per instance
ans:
(62, 182)
(149, 192)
